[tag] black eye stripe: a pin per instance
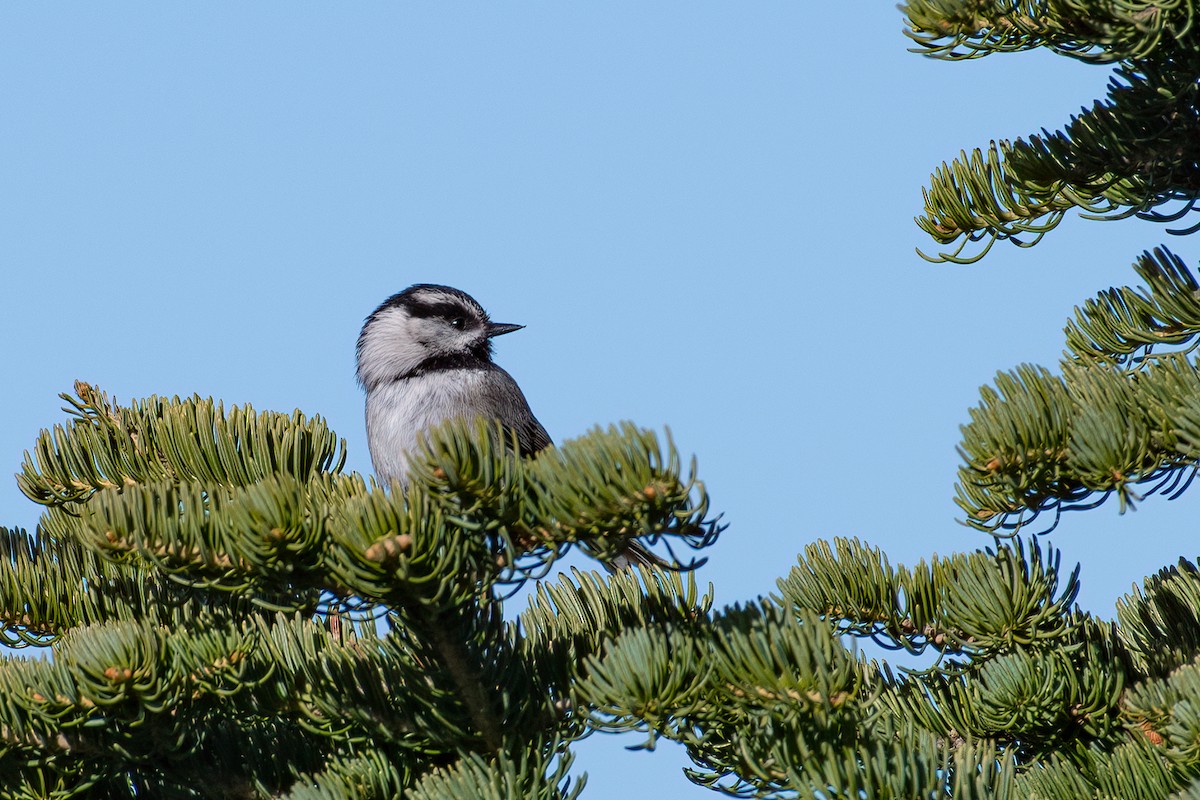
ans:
(443, 310)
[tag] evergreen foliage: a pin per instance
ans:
(232, 615)
(1118, 417)
(224, 629)
(1134, 153)
(229, 614)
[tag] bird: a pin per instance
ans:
(425, 356)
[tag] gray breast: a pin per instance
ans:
(398, 413)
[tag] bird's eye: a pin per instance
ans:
(458, 322)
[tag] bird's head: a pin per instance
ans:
(424, 327)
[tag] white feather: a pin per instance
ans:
(399, 413)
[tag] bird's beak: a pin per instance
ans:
(501, 328)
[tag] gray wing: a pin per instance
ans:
(513, 410)
(534, 437)
(511, 407)
(634, 555)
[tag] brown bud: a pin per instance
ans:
(118, 674)
(389, 548)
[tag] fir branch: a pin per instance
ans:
(474, 686)
(614, 484)
(1125, 325)
(1119, 417)
(1132, 153)
(575, 616)
(368, 776)
(540, 774)
(599, 490)
(1134, 768)
(154, 440)
(1090, 30)
(1159, 623)
(141, 696)
(977, 605)
(1162, 711)
(50, 584)
(767, 703)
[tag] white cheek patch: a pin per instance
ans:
(391, 348)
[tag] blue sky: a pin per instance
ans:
(701, 211)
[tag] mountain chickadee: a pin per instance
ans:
(425, 356)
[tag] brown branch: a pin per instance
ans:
(467, 677)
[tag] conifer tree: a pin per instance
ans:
(229, 613)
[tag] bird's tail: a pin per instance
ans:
(634, 555)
